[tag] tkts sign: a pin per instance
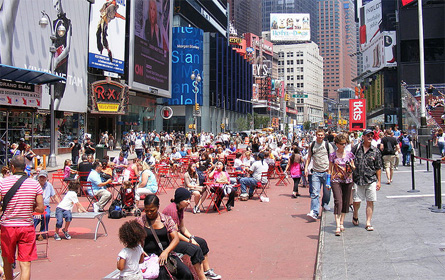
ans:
(357, 114)
(109, 97)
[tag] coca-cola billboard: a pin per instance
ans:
(357, 114)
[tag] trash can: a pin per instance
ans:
(101, 151)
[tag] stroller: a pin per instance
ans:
(127, 197)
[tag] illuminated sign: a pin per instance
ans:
(187, 55)
(108, 96)
(290, 27)
(357, 114)
(235, 40)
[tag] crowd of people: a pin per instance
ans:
(347, 164)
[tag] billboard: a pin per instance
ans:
(150, 47)
(26, 44)
(370, 23)
(290, 27)
(357, 114)
(187, 55)
(381, 52)
(107, 35)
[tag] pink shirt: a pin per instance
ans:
(67, 172)
(19, 211)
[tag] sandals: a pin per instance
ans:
(342, 228)
(337, 232)
(369, 228)
(355, 221)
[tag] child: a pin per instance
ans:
(131, 234)
(69, 174)
(65, 207)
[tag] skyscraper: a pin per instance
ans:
(289, 7)
(338, 41)
(245, 15)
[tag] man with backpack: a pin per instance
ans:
(389, 148)
(406, 141)
(318, 153)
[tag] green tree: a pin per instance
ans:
(242, 124)
(261, 121)
(307, 125)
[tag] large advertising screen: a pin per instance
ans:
(370, 23)
(26, 44)
(107, 35)
(290, 27)
(150, 47)
(187, 55)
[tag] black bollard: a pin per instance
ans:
(420, 152)
(413, 180)
(437, 188)
(427, 156)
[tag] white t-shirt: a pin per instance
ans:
(237, 163)
(68, 201)
(258, 169)
(131, 257)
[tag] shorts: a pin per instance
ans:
(22, 238)
(63, 214)
(365, 192)
(389, 161)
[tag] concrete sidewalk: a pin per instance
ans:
(408, 241)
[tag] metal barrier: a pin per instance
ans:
(436, 164)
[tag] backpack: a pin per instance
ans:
(313, 144)
(405, 141)
(115, 211)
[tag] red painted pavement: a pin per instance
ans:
(256, 240)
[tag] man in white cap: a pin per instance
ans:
(48, 192)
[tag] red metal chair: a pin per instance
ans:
(216, 193)
(164, 178)
(87, 190)
(261, 187)
(42, 241)
(60, 186)
(282, 179)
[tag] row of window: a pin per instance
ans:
(297, 77)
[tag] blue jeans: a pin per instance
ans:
(318, 180)
(61, 214)
(406, 156)
(441, 148)
(248, 182)
(43, 225)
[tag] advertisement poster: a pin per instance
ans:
(187, 55)
(381, 52)
(371, 21)
(290, 27)
(107, 35)
(357, 114)
(150, 51)
(20, 94)
(26, 44)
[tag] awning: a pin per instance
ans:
(27, 76)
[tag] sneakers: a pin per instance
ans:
(244, 197)
(67, 235)
(57, 237)
(212, 275)
(196, 210)
(312, 215)
(96, 208)
(326, 207)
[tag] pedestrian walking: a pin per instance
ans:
(389, 148)
(367, 177)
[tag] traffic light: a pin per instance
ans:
(197, 107)
(286, 97)
(223, 126)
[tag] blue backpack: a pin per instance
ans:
(405, 141)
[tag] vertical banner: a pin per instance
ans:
(357, 114)
(187, 55)
(150, 47)
(107, 35)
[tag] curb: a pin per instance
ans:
(318, 262)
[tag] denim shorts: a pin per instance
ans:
(62, 214)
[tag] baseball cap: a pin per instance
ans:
(367, 131)
(43, 173)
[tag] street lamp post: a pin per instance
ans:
(196, 81)
(61, 30)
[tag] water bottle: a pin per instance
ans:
(328, 181)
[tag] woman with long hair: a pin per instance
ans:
(191, 182)
(294, 165)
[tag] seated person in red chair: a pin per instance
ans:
(222, 178)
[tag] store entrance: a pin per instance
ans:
(99, 124)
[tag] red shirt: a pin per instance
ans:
(172, 211)
(19, 211)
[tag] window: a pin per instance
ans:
(290, 70)
(290, 62)
(290, 54)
